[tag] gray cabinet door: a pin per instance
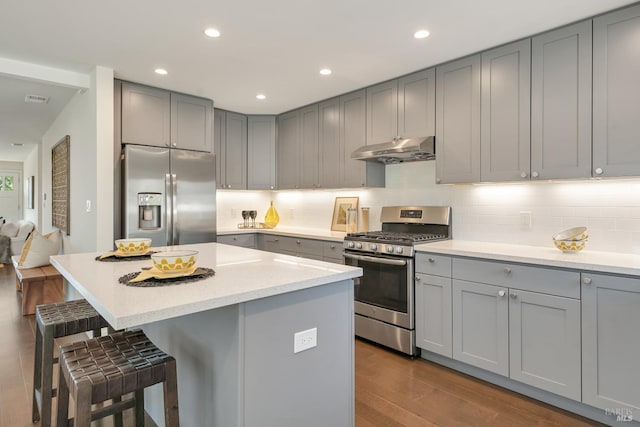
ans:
(236, 151)
(352, 135)
(309, 147)
(481, 326)
(219, 145)
(329, 143)
(261, 153)
(611, 342)
(417, 104)
(505, 119)
(561, 103)
(288, 150)
(146, 114)
(191, 122)
(382, 112)
(433, 314)
(544, 342)
(458, 121)
(616, 93)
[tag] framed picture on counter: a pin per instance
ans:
(340, 208)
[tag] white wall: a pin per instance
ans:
(486, 212)
(91, 173)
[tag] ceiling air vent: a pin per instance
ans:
(36, 99)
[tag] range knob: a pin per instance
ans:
(399, 249)
(390, 249)
(373, 247)
(351, 245)
(358, 245)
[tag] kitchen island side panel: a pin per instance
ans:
(236, 365)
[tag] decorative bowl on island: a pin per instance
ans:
(174, 261)
(133, 246)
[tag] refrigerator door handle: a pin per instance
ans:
(174, 207)
(168, 208)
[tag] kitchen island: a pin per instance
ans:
(233, 334)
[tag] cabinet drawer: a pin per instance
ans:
(332, 250)
(437, 265)
(244, 240)
(562, 283)
(301, 246)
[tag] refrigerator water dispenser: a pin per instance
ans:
(149, 211)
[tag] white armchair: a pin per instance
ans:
(18, 232)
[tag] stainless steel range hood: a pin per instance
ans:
(398, 150)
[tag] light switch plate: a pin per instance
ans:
(305, 340)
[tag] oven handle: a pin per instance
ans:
(386, 261)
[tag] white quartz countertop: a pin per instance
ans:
(305, 233)
(606, 262)
(241, 275)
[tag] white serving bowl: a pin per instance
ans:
(174, 261)
(575, 234)
(133, 246)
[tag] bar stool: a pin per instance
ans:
(107, 368)
(55, 321)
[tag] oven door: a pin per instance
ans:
(385, 291)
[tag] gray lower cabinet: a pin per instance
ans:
(433, 314)
(191, 123)
(561, 112)
(504, 115)
(288, 150)
(230, 148)
(261, 153)
(320, 250)
(330, 156)
(242, 240)
(481, 326)
(146, 115)
(616, 93)
(458, 121)
(382, 112)
(611, 342)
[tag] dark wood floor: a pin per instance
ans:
(391, 390)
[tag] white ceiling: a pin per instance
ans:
(276, 47)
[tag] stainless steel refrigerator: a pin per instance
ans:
(169, 195)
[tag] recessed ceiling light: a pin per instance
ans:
(325, 71)
(261, 96)
(421, 34)
(212, 32)
(161, 71)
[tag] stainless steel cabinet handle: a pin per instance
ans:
(298, 242)
(333, 246)
(501, 293)
(168, 210)
(438, 180)
(586, 280)
(523, 174)
(598, 171)
(417, 278)
(431, 260)
(535, 174)
(229, 186)
(174, 207)
(386, 261)
(506, 270)
(513, 295)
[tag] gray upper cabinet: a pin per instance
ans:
(417, 104)
(616, 93)
(261, 153)
(219, 146)
(353, 134)
(309, 147)
(561, 103)
(146, 113)
(329, 143)
(505, 119)
(191, 122)
(288, 149)
(611, 342)
(382, 112)
(235, 177)
(458, 121)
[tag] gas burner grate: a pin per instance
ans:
(391, 236)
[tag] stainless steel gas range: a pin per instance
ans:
(384, 295)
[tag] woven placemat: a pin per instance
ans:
(113, 258)
(200, 274)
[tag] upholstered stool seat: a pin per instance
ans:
(108, 367)
(56, 321)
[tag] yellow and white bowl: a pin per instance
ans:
(174, 261)
(133, 246)
(572, 234)
(570, 245)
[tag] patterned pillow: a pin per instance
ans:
(38, 248)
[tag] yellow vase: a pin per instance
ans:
(272, 218)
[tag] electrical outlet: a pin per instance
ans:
(525, 219)
(305, 340)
